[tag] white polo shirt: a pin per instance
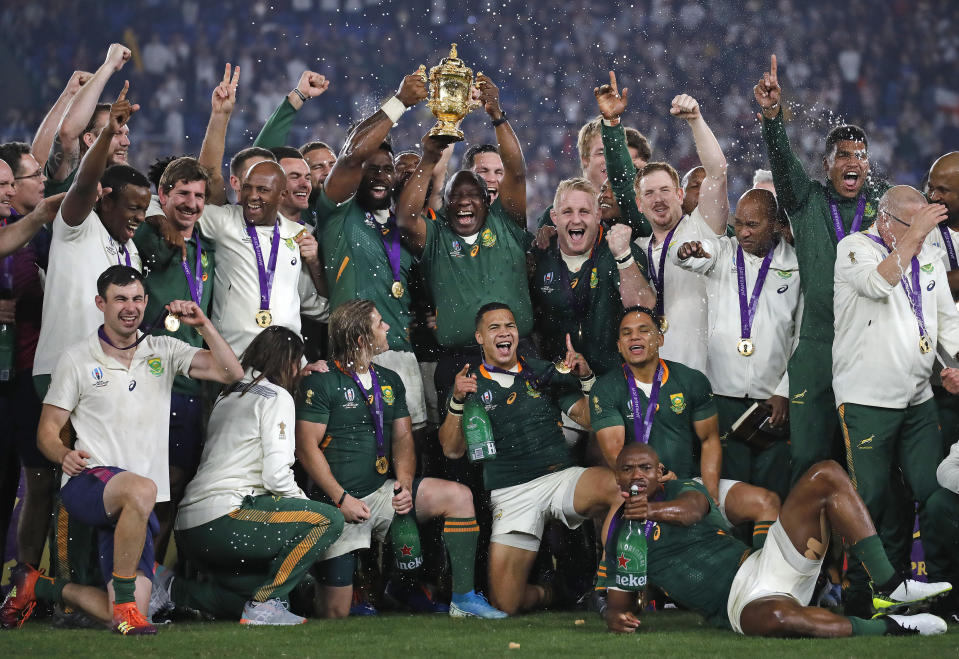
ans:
(236, 291)
(78, 256)
(876, 357)
(685, 301)
(249, 450)
(774, 327)
(122, 415)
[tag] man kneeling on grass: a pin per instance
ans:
(761, 593)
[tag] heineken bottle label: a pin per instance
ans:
(630, 558)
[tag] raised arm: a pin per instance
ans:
(16, 235)
(366, 138)
(65, 152)
(409, 206)
(713, 198)
(47, 132)
(512, 190)
(218, 363)
(82, 195)
(276, 130)
(214, 142)
(452, 439)
(789, 177)
(439, 178)
(619, 165)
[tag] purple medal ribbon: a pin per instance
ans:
(391, 244)
(658, 276)
(103, 336)
(617, 520)
(912, 289)
(375, 407)
(525, 372)
(126, 253)
(837, 219)
(195, 279)
(950, 248)
(748, 311)
(265, 273)
(575, 299)
(643, 429)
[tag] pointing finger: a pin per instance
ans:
(465, 370)
(569, 344)
(123, 92)
(612, 81)
(772, 67)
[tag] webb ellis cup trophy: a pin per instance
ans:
(451, 85)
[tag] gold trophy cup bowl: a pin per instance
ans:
(449, 96)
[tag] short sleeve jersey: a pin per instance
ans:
(349, 445)
(166, 280)
(464, 277)
(357, 266)
(685, 397)
(586, 309)
(694, 565)
(526, 423)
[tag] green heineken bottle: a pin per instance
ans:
(630, 558)
(405, 539)
(478, 431)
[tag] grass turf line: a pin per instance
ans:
(663, 634)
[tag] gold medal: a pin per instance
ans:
(397, 290)
(663, 324)
(264, 318)
(745, 347)
(925, 345)
(561, 367)
(382, 465)
(171, 323)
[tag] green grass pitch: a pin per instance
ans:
(663, 635)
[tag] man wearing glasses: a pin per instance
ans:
(892, 306)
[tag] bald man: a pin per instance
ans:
(943, 188)
(892, 306)
(262, 277)
(750, 336)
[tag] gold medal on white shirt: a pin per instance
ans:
(172, 323)
(264, 318)
(397, 290)
(925, 345)
(745, 347)
(382, 465)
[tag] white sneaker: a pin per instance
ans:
(909, 592)
(160, 601)
(270, 612)
(924, 624)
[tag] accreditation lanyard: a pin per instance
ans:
(194, 279)
(911, 288)
(747, 310)
(264, 271)
(643, 419)
(658, 275)
(837, 219)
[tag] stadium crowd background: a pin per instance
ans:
(888, 65)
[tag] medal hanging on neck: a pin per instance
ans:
(747, 311)
(391, 245)
(913, 293)
(950, 248)
(837, 226)
(524, 371)
(264, 271)
(643, 419)
(658, 275)
(577, 293)
(374, 402)
(194, 281)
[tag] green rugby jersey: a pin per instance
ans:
(684, 398)
(622, 174)
(807, 203)
(463, 277)
(526, 424)
(594, 333)
(350, 441)
(165, 281)
(694, 565)
(357, 266)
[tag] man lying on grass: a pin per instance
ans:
(761, 593)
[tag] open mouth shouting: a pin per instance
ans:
(130, 320)
(577, 238)
(504, 349)
(379, 191)
(851, 180)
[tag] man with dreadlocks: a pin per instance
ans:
(533, 478)
(352, 430)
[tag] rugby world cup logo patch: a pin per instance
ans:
(350, 395)
(98, 380)
(487, 397)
